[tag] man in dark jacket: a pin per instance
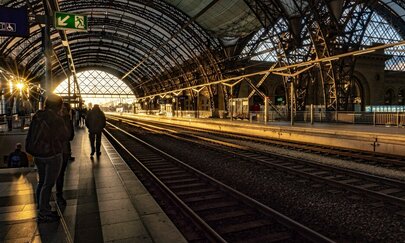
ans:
(66, 153)
(49, 164)
(95, 122)
(17, 158)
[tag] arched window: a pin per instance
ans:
(389, 97)
(401, 96)
(98, 87)
(279, 95)
(351, 95)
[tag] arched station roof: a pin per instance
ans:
(159, 45)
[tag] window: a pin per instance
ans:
(98, 87)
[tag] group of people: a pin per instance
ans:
(80, 116)
(48, 141)
(23, 108)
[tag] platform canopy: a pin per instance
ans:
(160, 45)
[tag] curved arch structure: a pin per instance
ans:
(121, 35)
(315, 30)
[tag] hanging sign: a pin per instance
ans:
(14, 22)
(70, 21)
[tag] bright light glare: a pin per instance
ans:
(10, 83)
(20, 86)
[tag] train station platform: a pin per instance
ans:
(105, 201)
(379, 139)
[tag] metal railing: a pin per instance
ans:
(343, 117)
(8, 123)
(177, 113)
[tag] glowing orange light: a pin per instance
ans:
(20, 86)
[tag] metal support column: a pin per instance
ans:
(47, 45)
(3, 102)
(266, 109)
(75, 94)
(177, 105)
(197, 105)
(69, 94)
(312, 114)
(292, 102)
(230, 104)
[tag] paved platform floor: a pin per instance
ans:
(105, 203)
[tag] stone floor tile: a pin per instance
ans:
(118, 216)
(133, 229)
(115, 205)
(161, 229)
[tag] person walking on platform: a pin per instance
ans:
(45, 138)
(83, 114)
(9, 116)
(77, 117)
(17, 158)
(66, 154)
(95, 122)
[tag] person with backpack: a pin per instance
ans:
(45, 138)
(17, 158)
(66, 154)
(95, 122)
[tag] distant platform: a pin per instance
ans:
(379, 139)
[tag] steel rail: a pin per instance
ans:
(373, 157)
(213, 235)
(273, 163)
(286, 221)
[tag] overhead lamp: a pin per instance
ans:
(10, 83)
(20, 86)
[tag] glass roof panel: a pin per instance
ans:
(97, 87)
(379, 31)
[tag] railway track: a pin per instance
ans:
(222, 213)
(370, 158)
(379, 188)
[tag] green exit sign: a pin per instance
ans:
(70, 21)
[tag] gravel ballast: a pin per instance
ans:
(337, 214)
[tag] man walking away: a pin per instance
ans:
(95, 122)
(66, 154)
(77, 116)
(44, 141)
(83, 114)
(17, 158)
